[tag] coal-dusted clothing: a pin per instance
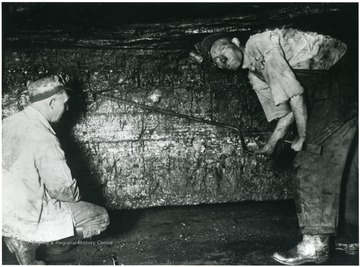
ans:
(274, 54)
(36, 180)
(318, 179)
(40, 198)
(285, 63)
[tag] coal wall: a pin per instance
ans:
(149, 127)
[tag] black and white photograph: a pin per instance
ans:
(180, 133)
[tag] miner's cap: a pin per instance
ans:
(208, 41)
(45, 87)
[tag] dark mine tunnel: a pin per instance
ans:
(161, 142)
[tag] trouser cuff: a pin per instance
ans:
(318, 230)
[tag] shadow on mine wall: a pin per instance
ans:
(82, 169)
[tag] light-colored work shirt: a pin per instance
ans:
(36, 181)
(274, 54)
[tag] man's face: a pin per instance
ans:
(226, 55)
(59, 106)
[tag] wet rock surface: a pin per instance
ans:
(221, 234)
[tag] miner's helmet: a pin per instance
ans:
(46, 87)
(201, 53)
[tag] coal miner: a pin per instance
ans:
(41, 202)
(294, 77)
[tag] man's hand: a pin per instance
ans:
(267, 150)
(281, 129)
(297, 144)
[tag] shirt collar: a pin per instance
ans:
(35, 114)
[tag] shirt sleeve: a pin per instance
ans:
(55, 174)
(266, 99)
(278, 73)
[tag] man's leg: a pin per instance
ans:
(352, 190)
(318, 182)
(347, 239)
(317, 187)
(25, 252)
(89, 219)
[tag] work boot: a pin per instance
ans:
(24, 251)
(347, 245)
(348, 239)
(312, 249)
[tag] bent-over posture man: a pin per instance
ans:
(41, 200)
(290, 73)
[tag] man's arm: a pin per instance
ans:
(282, 113)
(299, 109)
(56, 175)
(285, 87)
(281, 129)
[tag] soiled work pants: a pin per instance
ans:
(90, 218)
(318, 178)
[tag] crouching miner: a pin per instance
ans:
(298, 78)
(41, 200)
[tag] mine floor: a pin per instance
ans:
(221, 234)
